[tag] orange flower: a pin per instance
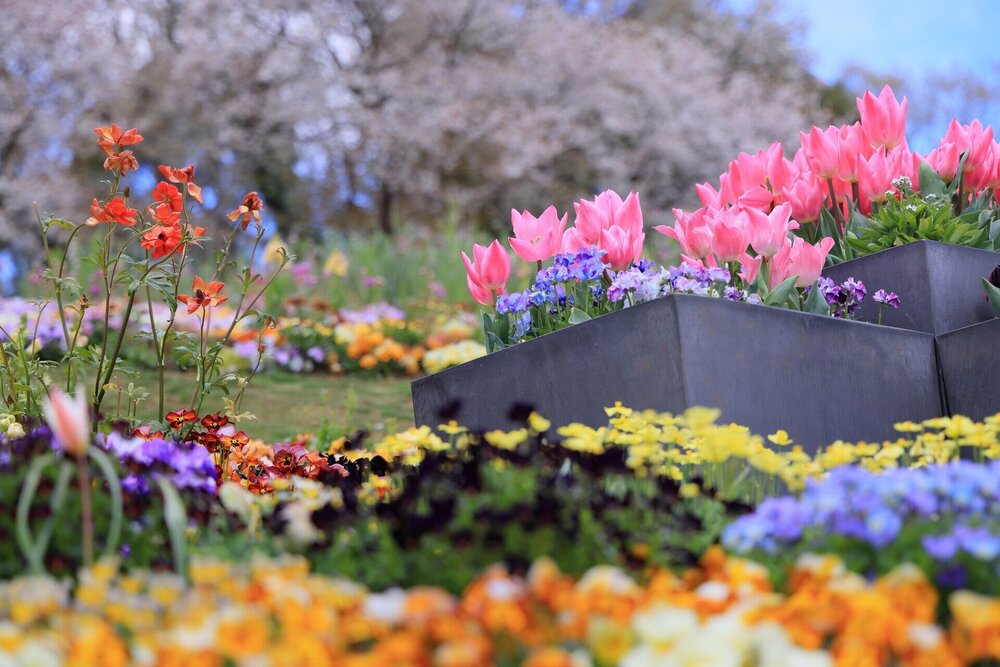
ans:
(115, 210)
(179, 418)
(111, 138)
(185, 176)
(164, 215)
(165, 193)
(205, 296)
(161, 240)
(122, 162)
(249, 210)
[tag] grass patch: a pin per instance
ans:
(287, 403)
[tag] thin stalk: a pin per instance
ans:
(838, 215)
(86, 509)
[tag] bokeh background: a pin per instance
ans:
(381, 117)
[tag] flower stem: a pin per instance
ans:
(86, 509)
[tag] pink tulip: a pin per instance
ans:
(821, 150)
(536, 239)
(802, 260)
(483, 296)
(749, 267)
(607, 210)
(883, 119)
(852, 149)
(972, 138)
(876, 179)
(490, 270)
(944, 160)
(806, 197)
(693, 232)
(769, 231)
(708, 195)
(730, 236)
(572, 241)
(622, 247)
(69, 420)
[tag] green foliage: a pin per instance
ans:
(923, 217)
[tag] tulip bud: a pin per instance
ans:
(69, 420)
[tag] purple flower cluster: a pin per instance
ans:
(843, 299)
(873, 508)
(886, 298)
(372, 313)
(640, 283)
(187, 465)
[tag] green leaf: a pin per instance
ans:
(993, 294)
(779, 295)
(815, 302)
(930, 182)
(577, 316)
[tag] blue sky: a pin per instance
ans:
(900, 36)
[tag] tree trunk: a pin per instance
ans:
(385, 210)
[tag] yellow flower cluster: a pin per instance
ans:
(275, 612)
(452, 354)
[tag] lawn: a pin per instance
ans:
(289, 403)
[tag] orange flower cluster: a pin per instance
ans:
(274, 612)
(255, 465)
(370, 346)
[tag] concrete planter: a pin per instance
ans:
(970, 369)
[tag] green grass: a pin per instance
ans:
(286, 404)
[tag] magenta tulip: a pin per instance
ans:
(537, 239)
(490, 270)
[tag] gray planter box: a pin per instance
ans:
(939, 284)
(817, 377)
(970, 369)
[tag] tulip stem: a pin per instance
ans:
(856, 193)
(838, 215)
(86, 509)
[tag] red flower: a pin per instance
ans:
(236, 440)
(185, 176)
(179, 418)
(112, 138)
(122, 162)
(164, 215)
(161, 240)
(165, 193)
(209, 441)
(249, 210)
(214, 422)
(205, 296)
(115, 210)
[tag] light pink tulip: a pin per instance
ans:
(572, 241)
(821, 150)
(483, 296)
(607, 210)
(944, 160)
(692, 231)
(806, 197)
(730, 236)
(757, 197)
(708, 195)
(749, 267)
(537, 239)
(622, 247)
(852, 149)
(802, 260)
(769, 231)
(883, 119)
(69, 420)
(490, 270)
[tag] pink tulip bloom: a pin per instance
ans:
(693, 232)
(806, 197)
(572, 241)
(69, 420)
(483, 296)
(708, 195)
(537, 239)
(749, 267)
(876, 179)
(853, 148)
(821, 150)
(972, 138)
(883, 119)
(769, 231)
(944, 160)
(757, 197)
(802, 260)
(490, 270)
(622, 247)
(607, 210)
(730, 235)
